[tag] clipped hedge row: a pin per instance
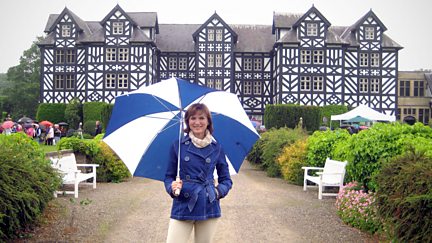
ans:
(27, 183)
(51, 112)
(111, 168)
(283, 115)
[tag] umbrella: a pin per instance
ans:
(46, 123)
(25, 119)
(63, 124)
(144, 124)
(8, 124)
(358, 119)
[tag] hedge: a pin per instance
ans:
(51, 112)
(288, 115)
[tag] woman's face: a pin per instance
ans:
(198, 124)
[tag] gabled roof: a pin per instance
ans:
(363, 19)
(215, 15)
(312, 10)
(176, 37)
(145, 19)
(54, 19)
(115, 9)
(284, 20)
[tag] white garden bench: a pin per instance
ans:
(71, 174)
(332, 175)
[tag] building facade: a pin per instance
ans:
(415, 97)
(299, 59)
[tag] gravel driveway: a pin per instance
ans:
(257, 209)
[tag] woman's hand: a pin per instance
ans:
(176, 186)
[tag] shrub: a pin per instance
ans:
(111, 167)
(405, 196)
(93, 111)
(90, 127)
(27, 183)
(255, 154)
(288, 115)
(275, 140)
(321, 145)
(329, 110)
(292, 158)
(358, 208)
(52, 112)
(73, 113)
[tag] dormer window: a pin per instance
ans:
(65, 30)
(118, 28)
(311, 29)
(369, 33)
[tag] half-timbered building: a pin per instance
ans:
(299, 59)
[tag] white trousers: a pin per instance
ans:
(179, 231)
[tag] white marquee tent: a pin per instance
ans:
(365, 112)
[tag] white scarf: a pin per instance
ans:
(201, 143)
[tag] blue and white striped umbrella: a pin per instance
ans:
(145, 123)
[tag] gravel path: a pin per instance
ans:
(258, 209)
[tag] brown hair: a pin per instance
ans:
(192, 110)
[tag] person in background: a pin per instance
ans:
(195, 196)
(98, 128)
(57, 134)
(49, 135)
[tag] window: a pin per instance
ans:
(305, 57)
(70, 56)
(183, 63)
(419, 88)
(117, 28)
(318, 83)
(375, 60)
(311, 29)
(122, 81)
(110, 80)
(218, 84)
(318, 57)
(58, 81)
(123, 54)
(374, 86)
(363, 60)
(258, 64)
(305, 83)
(247, 87)
(172, 63)
(70, 81)
(409, 111)
(65, 30)
(257, 88)
(219, 60)
(60, 56)
(247, 64)
(363, 85)
(210, 83)
(369, 33)
(111, 54)
(210, 34)
(210, 60)
(219, 34)
(404, 88)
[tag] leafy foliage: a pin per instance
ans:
(27, 183)
(22, 94)
(292, 158)
(73, 113)
(111, 167)
(329, 110)
(321, 145)
(358, 208)
(277, 116)
(92, 111)
(275, 140)
(405, 196)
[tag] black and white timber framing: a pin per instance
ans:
(299, 59)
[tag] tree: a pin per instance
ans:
(22, 97)
(73, 113)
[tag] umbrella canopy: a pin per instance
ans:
(63, 124)
(46, 123)
(25, 119)
(358, 119)
(7, 124)
(145, 123)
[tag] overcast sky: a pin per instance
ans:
(408, 22)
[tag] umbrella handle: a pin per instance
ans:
(177, 191)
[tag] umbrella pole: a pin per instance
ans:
(177, 191)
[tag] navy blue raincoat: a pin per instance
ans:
(198, 199)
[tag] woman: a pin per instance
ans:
(195, 196)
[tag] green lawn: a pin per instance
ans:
(48, 148)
